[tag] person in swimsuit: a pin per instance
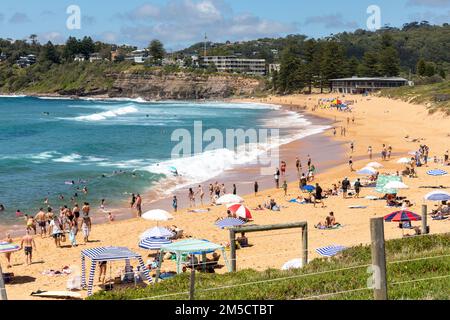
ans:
(31, 224)
(76, 212)
(41, 219)
(283, 168)
(138, 205)
(28, 244)
(86, 210)
(85, 228)
(256, 188)
(191, 196)
(57, 230)
(133, 200)
(175, 204)
(201, 193)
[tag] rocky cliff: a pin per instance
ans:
(182, 86)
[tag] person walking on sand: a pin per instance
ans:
(352, 147)
(370, 152)
(277, 178)
(285, 187)
(283, 168)
(334, 131)
(389, 152)
(28, 245)
(138, 205)
(133, 200)
(234, 190)
(357, 188)
(350, 164)
(345, 187)
(41, 219)
(191, 196)
(175, 204)
(256, 188)
(298, 165)
(57, 230)
(201, 193)
(73, 233)
(86, 228)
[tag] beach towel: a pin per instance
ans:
(440, 218)
(357, 207)
(297, 201)
(330, 251)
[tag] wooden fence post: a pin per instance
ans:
(379, 258)
(424, 219)
(305, 245)
(192, 282)
(233, 250)
(3, 295)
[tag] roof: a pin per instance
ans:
(371, 79)
(192, 246)
(110, 254)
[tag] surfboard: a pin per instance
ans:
(57, 294)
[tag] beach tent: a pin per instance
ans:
(383, 181)
(192, 247)
(108, 254)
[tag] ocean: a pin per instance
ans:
(53, 148)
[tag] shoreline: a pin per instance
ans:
(153, 200)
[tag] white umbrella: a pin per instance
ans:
(367, 171)
(157, 232)
(438, 196)
(404, 161)
(229, 199)
(397, 185)
(375, 165)
(293, 264)
(157, 215)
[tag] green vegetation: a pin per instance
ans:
(436, 96)
(298, 284)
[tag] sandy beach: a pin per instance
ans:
(378, 121)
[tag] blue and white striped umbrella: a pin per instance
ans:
(157, 232)
(154, 243)
(229, 222)
(330, 251)
(437, 173)
(438, 196)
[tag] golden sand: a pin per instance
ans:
(378, 121)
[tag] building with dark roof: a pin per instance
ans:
(357, 85)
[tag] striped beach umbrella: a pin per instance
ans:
(402, 216)
(157, 215)
(241, 211)
(330, 251)
(6, 247)
(157, 232)
(229, 223)
(154, 243)
(375, 165)
(438, 196)
(437, 173)
(367, 171)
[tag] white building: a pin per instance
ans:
(138, 56)
(274, 67)
(236, 65)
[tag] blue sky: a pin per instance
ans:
(179, 23)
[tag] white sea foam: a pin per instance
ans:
(108, 114)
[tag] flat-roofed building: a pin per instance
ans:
(357, 85)
(236, 65)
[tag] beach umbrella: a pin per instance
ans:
(402, 216)
(6, 247)
(241, 211)
(367, 171)
(309, 188)
(293, 264)
(375, 165)
(229, 223)
(397, 185)
(438, 196)
(157, 232)
(157, 215)
(437, 173)
(404, 161)
(229, 199)
(154, 243)
(330, 251)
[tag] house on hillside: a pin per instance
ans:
(95, 57)
(79, 58)
(138, 56)
(2, 57)
(360, 85)
(26, 61)
(234, 64)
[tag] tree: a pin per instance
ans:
(370, 67)
(442, 73)
(421, 67)
(71, 48)
(87, 47)
(157, 51)
(49, 53)
(332, 62)
(290, 77)
(389, 62)
(33, 39)
(430, 70)
(310, 69)
(351, 67)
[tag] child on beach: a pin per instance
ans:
(285, 188)
(175, 204)
(8, 254)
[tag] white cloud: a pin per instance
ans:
(432, 17)
(331, 21)
(186, 21)
(54, 37)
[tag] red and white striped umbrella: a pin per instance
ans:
(241, 211)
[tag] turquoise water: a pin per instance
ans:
(114, 148)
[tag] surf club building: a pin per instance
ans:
(236, 65)
(357, 85)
